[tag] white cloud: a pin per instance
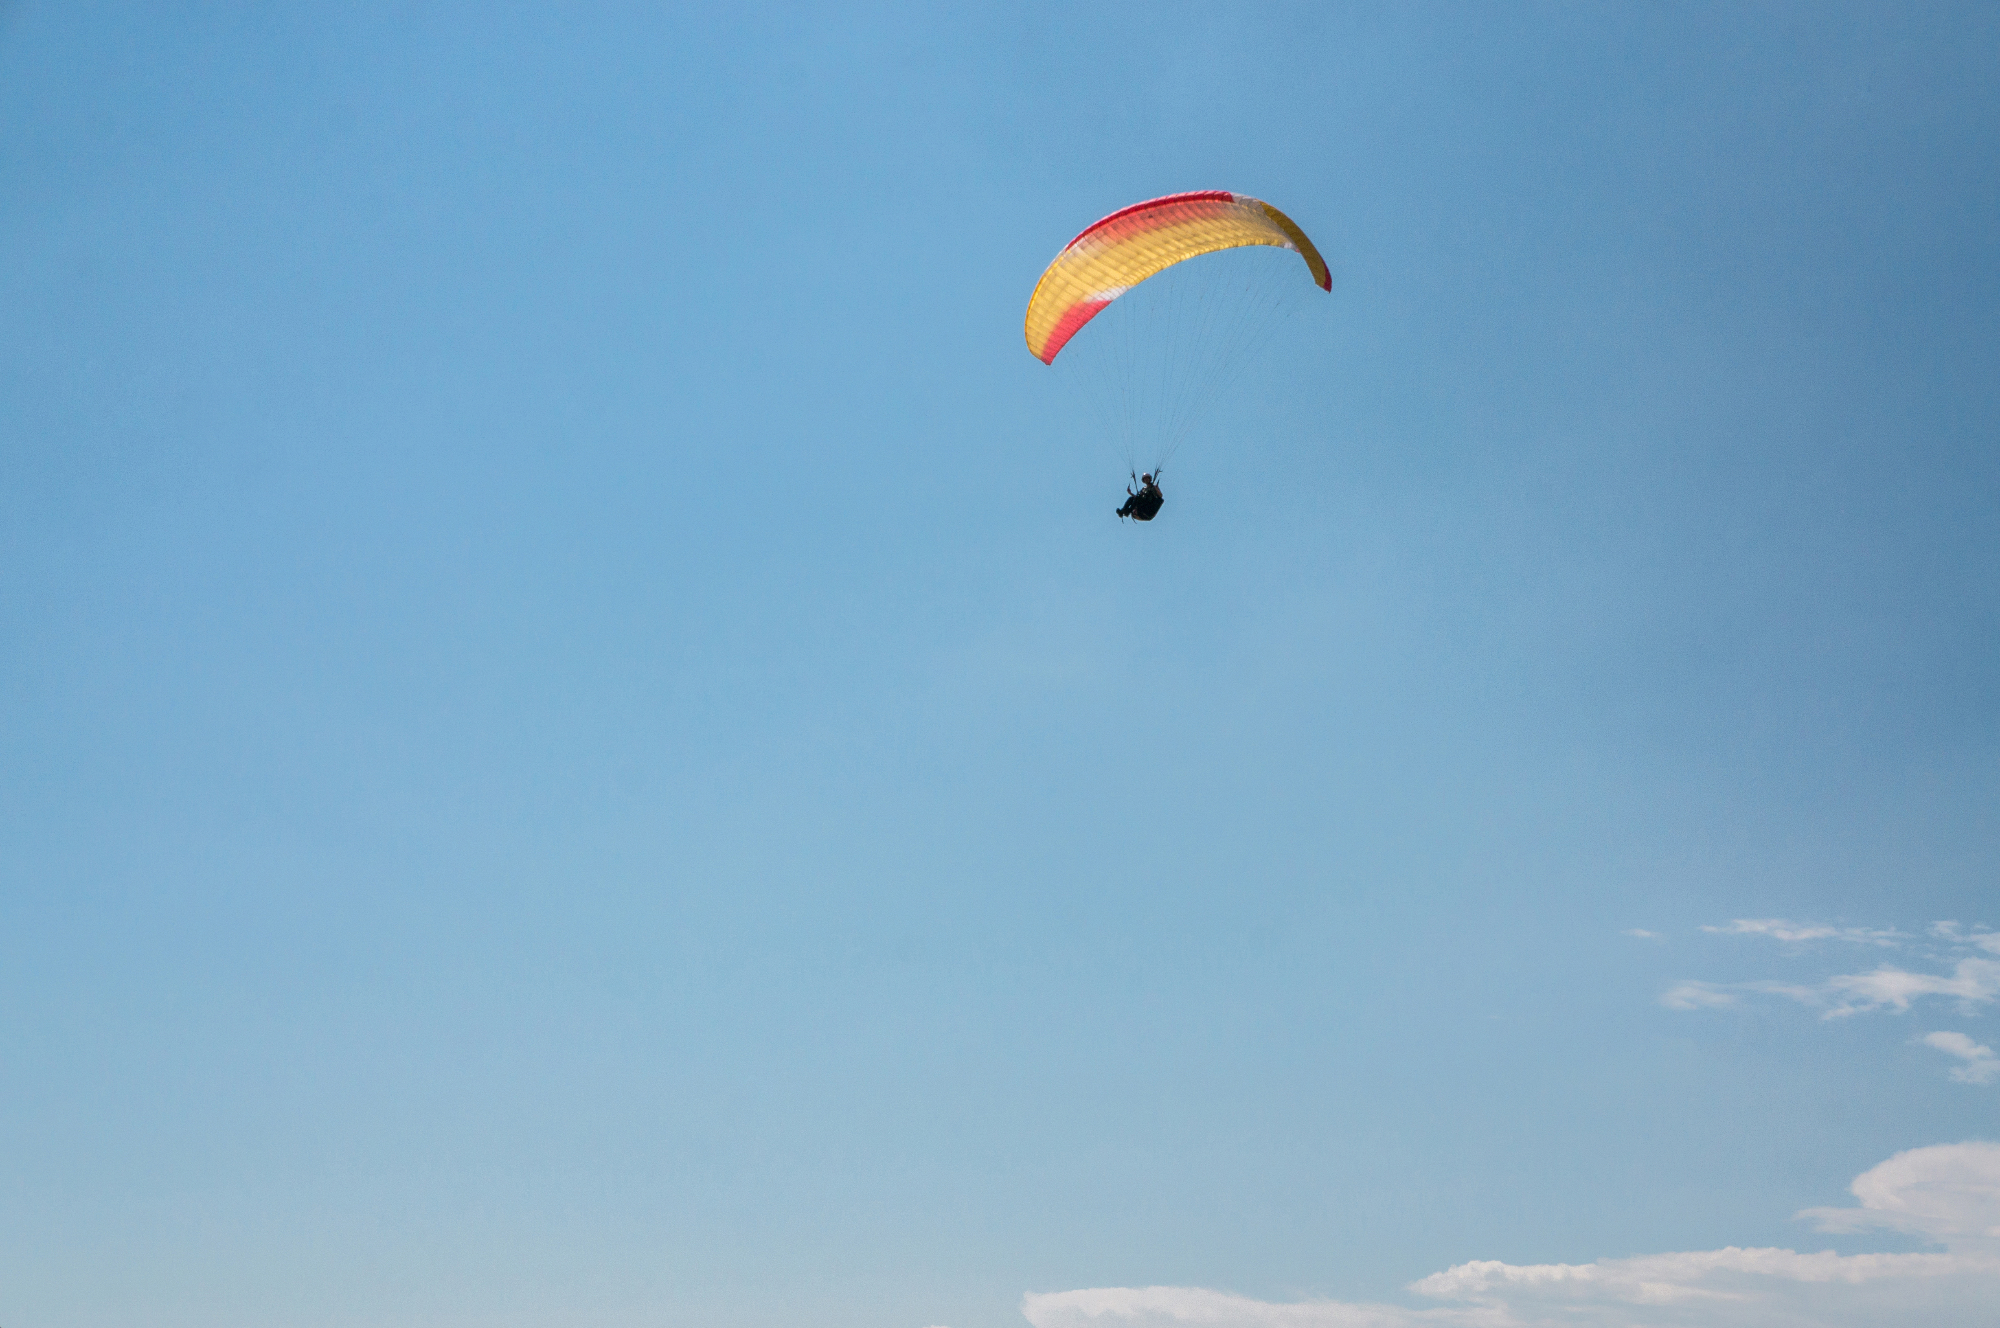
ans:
(1693, 995)
(1789, 990)
(1642, 933)
(1696, 996)
(1951, 931)
(1948, 1196)
(1781, 930)
(1161, 1306)
(1981, 1065)
(1973, 982)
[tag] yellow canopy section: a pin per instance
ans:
(1130, 245)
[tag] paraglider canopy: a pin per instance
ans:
(1134, 243)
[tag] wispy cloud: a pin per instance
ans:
(1642, 933)
(1972, 982)
(1713, 995)
(1981, 1065)
(1967, 976)
(1948, 1196)
(1779, 929)
(1696, 996)
(1199, 1307)
(1953, 933)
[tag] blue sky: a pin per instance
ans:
(581, 745)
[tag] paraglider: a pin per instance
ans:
(1145, 504)
(1158, 367)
